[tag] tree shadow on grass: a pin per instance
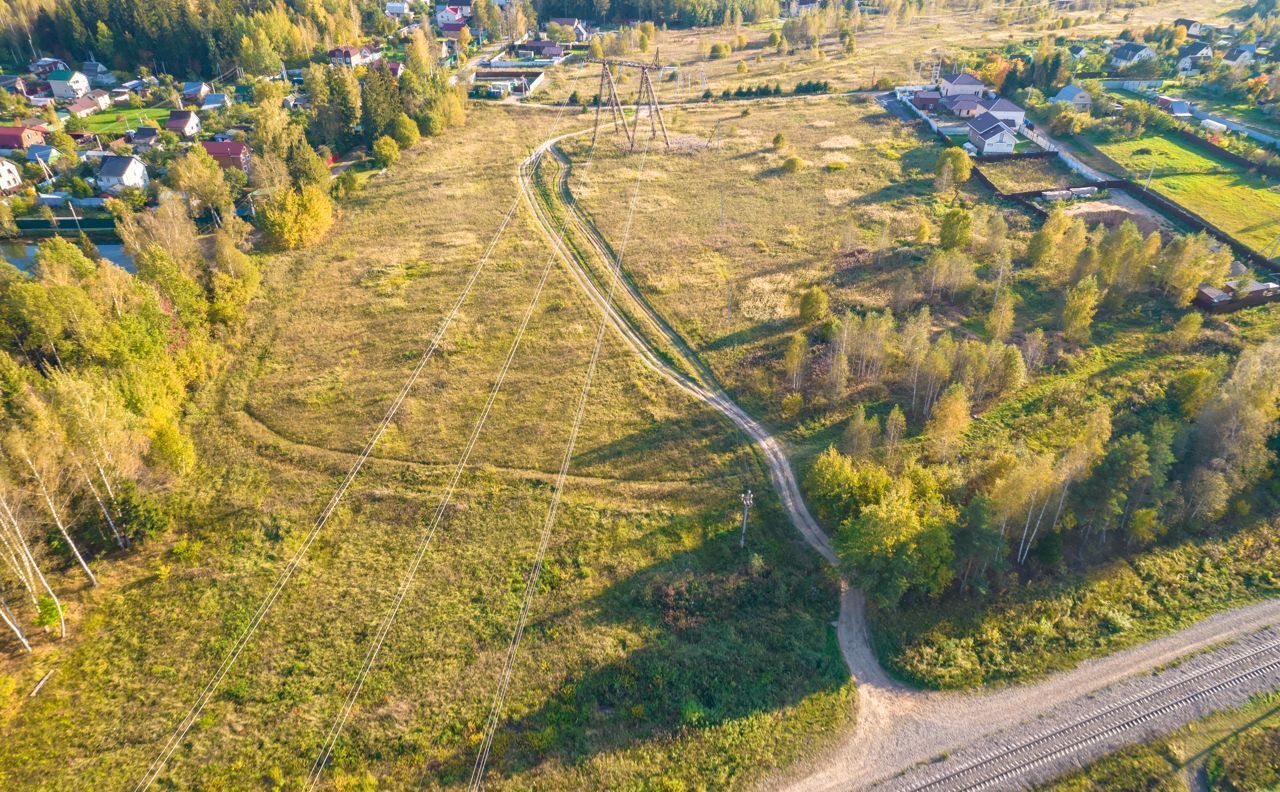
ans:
(728, 638)
(636, 452)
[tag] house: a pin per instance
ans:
(353, 56)
(1192, 26)
(14, 84)
(68, 85)
(396, 68)
(100, 97)
(451, 15)
(462, 7)
(398, 11)
(43, 152)
(1006, 111)
(10, 177)
(193, 93)
(962, 105)
(144, 137)
(83, 107)
(800, 7)
(541, 48)
(926, 100)
(183, 122)
(1130, 54)
(1077, 51)
(1238, 56)
(97, 73)
(46, 66)
(1235, 294)
(1190, 57)
(576, 26)
(19, 137)
(1077, 97)
(961, 83)
(990, 135)
(217, 101)
(453, 30)
(1174, 107)
(229, 154)
(119, 173)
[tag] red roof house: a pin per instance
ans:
(229, 154)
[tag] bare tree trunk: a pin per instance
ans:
(103, 506)
(18, 563)
(1034, 531)
(57, 519)
(26, 551)
(13, 624)
(1025, 528)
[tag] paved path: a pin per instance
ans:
(897, 726)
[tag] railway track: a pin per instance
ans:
(1012, 766)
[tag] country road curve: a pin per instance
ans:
(896, 726)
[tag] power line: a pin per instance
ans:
(424, 543)
(211, 687)
(531, 582)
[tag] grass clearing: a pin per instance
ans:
(1241, 203)
(1025, 175)
(656, 650)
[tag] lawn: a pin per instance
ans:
(115, 120)
(1241, 203)
(656, 651)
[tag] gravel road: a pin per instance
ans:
(899, 727)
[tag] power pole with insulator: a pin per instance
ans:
(747, 500)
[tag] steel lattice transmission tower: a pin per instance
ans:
(646, 98)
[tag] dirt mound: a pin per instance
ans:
(856, 256)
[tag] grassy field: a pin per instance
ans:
(1243, 204)
(115, 120)
(725, 240)
(1190, 758)
(656, 651)
(1025, 175)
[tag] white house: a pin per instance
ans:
(119, 173)
(68, 85)
(962, 83)
(1129, 54)
(10, 178)
(1192, 26)
(1077, 97)
(990, 135)
(1238, 56)
(1077, 51)
(450, 15)
(1192, 56)
(1008, 112)
(398, 10)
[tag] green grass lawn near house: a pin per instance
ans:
(115, 120)
(1241, 203)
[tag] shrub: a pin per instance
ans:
(405, 132)
(779, 140)
(719, 51)
(386, 152)
(792, 164)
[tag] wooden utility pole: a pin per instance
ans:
(747, 500)
(646, 99)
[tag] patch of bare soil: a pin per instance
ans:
(1118, 207)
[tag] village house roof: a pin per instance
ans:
(225, 148)
(1072, 93)
(1195, 49)
(116, 167)
(961, 78)
(1128, 52)
(1000, 104)
(988, 126)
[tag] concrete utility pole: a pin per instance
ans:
(747, 500)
